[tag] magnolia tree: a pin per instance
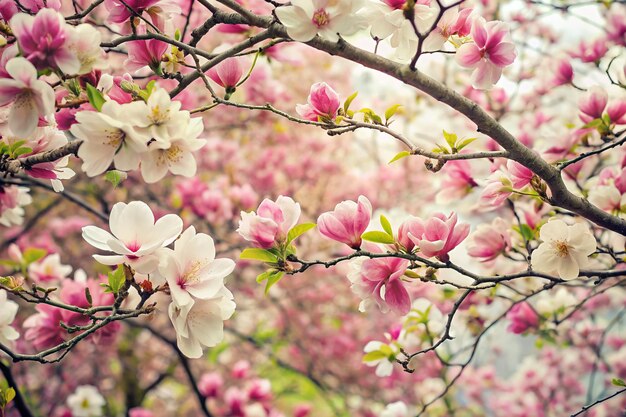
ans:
(200, 217)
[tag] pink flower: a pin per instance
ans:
(31, 98)
(8, 9)
(271, 223)
(139, 412)
(496, 191)
(302, 410)
(489, 241)
(564, 73)
(347, 223)
(228, 73)
(44, 40)
(593, 103)
(260, 390)
(241, 369)
(520, 175)
(35, 5)
(489, 54)
(323, 102)
(522, 318)
(379, 281)
(210, 384)
(457, 183)
(157, 10)
(144, 53)
(412, 226)
(441, 234)
(617, 111)
(591, 51)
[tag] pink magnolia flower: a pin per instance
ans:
(347, 222)
(139, 412)
(520, 175)
(414, 226)
(457, 183)
(35, 5)
(488, 54)
(564, 73)
(379, 282)
(260, 390)
(44, 40)
(271, 223)
(144, 53)
(8, 9)
(496, 191)
(49, 269)
(323, 102)
(157, 10)
(522, 318)
(591, 51)
(593, 103)
(210, 384)
(228, 73)
(31, 97)
(489, 241)
(441, 234)
(617, 112)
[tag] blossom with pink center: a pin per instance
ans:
(519, 174)
(441, 234)
(271, 223)
(12, 200)
(347, 222)
(44, 40)
(142, 53)
(564, 73)
(488, 54)
(414, 226)
(49, 269)
(591, 51)
(489, 241)
(497, 189)
(457, 183)
(593, 103)
(616, 25)
(522, 318)
(260, 390)
(323, 102)
(191, 269)
(43, 329)
(210, 384)
(157, 10)
(228, 73)
(31, 97)
(134, 237)
(379, 282)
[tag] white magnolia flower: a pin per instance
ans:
(108, 137)
(191, 269)
(85, 44)
(31, 97)
(555, 303)
(201, 322)
(565, 249)
(397, 409)
(327, 18)
(8, 310)
(384, 365)
(607, 197)
(12, 202)
(175, 156)
(134, 236)
(49, 269)
(161, 118)
(86, 401)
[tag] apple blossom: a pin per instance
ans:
(271, 223)
(565, 249)
(86, 401)
(31, 98)
(488, 54)
(322, 103)
(135, 236)
(347, 222)
(8, 310)
(200, 322)
(191, 269)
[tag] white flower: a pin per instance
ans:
(175, 156)
(191, 269)
(85, 44)
(86, 401)
(135, 236)
(565, 249)
(201, 322)
(383, 358)
(109, 137)
(607, 197)
(397, 409)
(49, 269)
(31, 97)
(12, 200)
(327, 18)
(555, 304)
(8, 310)
(161, 118)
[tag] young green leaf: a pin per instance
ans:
(374, 356)
(400, 155)
(391, 111)
(273, 279)
(464, 143)
(117, 279)
(33, 254)
(349, 100)
(95, 97)
(115, 177)
(450, 138)
(618, 382)
(298, 230)
(386, 225)
(378, 237)
(257, 254)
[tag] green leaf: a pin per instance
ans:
(9, 394)
(298, 230)
(391, 111)
(412, 274)
(257, 254)
(115, 177)
(346, 104)
(464, 143)
(33, 254)
(265, 275)
(378, 237)
(273, 279)
(595, 123)
(526, 232)
(95, 97)
(117, 279)
(21, 151)
(451, 138)
(400, 155)
(618, 382)
(386, 225)
(374, 356)
(16, 145)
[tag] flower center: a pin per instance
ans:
(562, 248)
(320, 18)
